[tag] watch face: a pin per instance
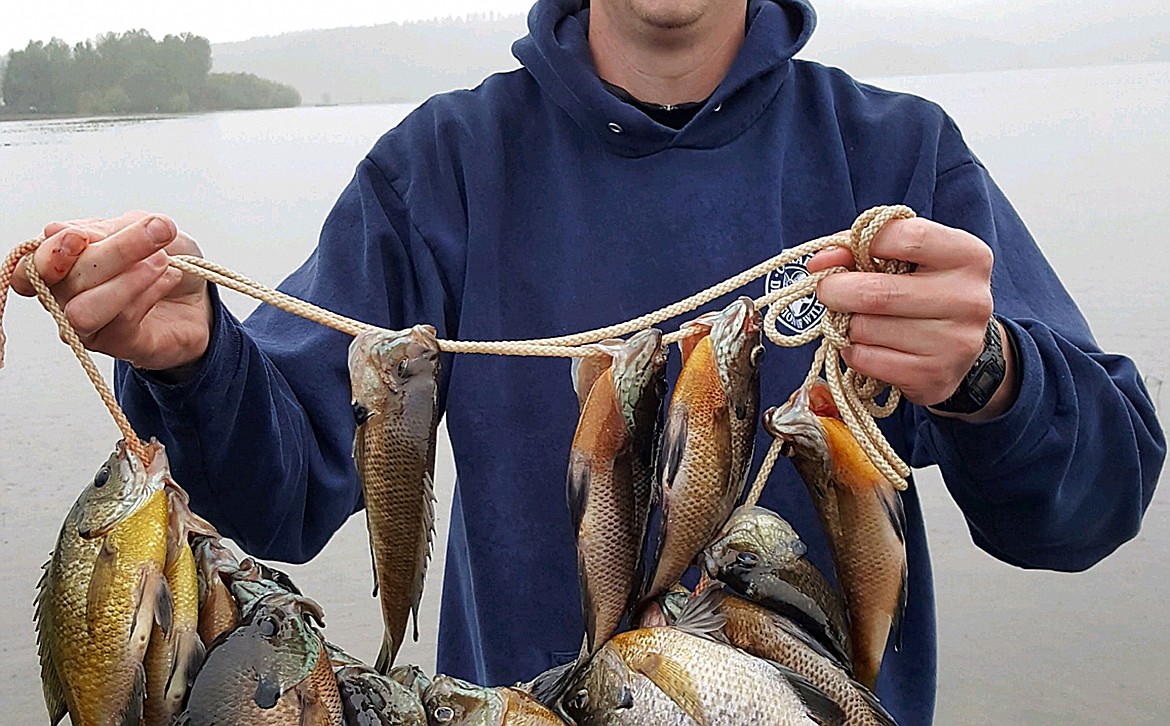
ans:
(983, 380)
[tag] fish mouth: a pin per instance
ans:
(143, 481)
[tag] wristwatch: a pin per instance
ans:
(984, 378)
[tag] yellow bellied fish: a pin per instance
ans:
(102, 591)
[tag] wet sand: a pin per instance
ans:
(1082, 154)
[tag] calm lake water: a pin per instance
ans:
(1083, 153)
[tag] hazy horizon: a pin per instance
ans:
(221, 21)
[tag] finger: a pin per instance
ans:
(53, 260)
(110, 257)
(138, 309)
(930, 245)
(907, 296)
(99, 227)
(53, 228)
(830, 257)
(919, 377)
(94, 308)
(916, 336)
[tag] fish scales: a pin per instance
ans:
(394, 375)
(610, 478)
(697, 452)
(93, 636)
(768, 635)
(707, 682)
(862, 515)
(173, 658)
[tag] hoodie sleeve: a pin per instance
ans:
(261, 435)
(1065, 475)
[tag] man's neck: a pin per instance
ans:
(666, 66)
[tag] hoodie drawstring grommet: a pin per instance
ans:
(718, 107)
(614, 127)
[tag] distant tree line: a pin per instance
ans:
(130, 73)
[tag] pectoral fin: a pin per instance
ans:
(674, 681)
(100, 582)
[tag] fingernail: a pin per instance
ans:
(72, 244)
(158, 231)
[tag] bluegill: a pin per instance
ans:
(452, 702)
(395, 381)
(273, 670)
(173, 658)
(610, 477)
(709, 435)
(861, 513)
(759, 556)
(102, 591)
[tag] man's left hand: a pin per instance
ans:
(923, 330)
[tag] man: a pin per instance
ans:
(647, 149)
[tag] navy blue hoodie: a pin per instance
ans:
(539, 204)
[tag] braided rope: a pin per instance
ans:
(853, 394)
(73, 340)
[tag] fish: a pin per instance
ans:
(709, 436)
(395, 382)
(102, 590)
(452, 702)
(768, 635)
(760, 557)
(272, 670)
(215, 566)
(862, 516)
(369, 698)
(610, 478)
(173, 658)
(669, 675)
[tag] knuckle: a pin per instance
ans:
(83, 318)
(876, 294)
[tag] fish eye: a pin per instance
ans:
(102, 478)
(757, 354)
(626, 699)
(404, 367)
(443, 714)
(747, 558)
(580, 701)
(268, 626)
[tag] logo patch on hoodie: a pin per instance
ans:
(805, 312)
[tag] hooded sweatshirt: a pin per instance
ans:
(540, 204)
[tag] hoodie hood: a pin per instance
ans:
(556, 53)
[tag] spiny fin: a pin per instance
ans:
(877, 710)
(792, 628)
(702, 616)
(131, 714)
(50, 679)
(425, 546)
(674, 681)
(100, 582)
(549, 686)
(821, 708)
(674, 439)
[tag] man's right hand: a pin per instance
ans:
(112, 279)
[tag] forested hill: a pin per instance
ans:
(408, 62)
(393, 62)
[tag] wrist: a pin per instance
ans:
(991, 386)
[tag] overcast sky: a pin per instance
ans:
(225, 20)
